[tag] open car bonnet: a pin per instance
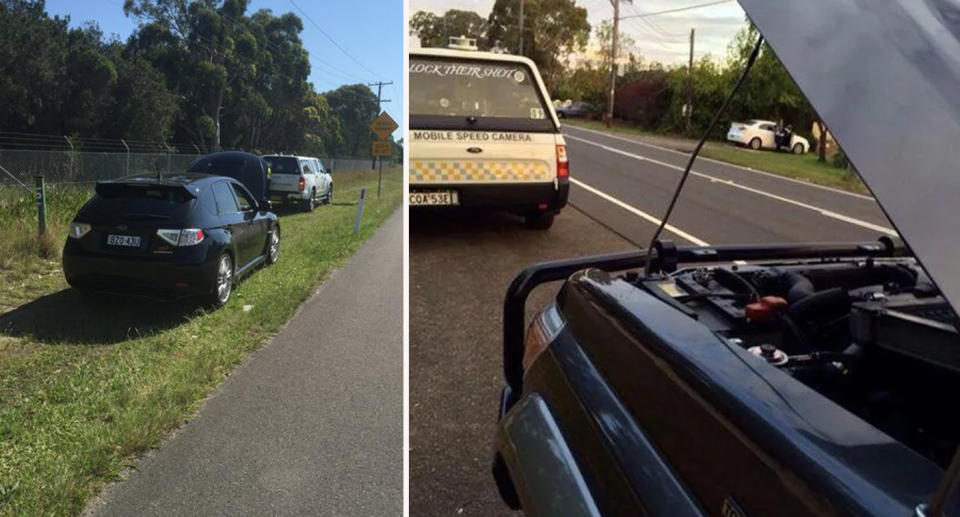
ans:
(885, 78)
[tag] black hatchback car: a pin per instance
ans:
(172, 236)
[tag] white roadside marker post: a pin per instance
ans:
(356, 223)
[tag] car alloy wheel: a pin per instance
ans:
(311, 202)
(755, 144)
(797, 148)
(274, 250)
(224, 279)
(330, 194)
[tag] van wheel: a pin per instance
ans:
(755, 143)
(539, 221)
(222, 282)
(329, 195)
(798, 148)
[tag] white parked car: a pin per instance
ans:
(759, 134)
(300, 179)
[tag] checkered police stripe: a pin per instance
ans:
(422, 171)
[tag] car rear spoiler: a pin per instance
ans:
(666, 257)
(112, 187)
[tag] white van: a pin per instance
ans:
(484, 134)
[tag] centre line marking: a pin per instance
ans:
(730, 183)
(636, 211)
(726, 164)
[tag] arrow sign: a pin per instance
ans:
(383, 125)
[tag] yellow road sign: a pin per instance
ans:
(382, 148)
(383, 125)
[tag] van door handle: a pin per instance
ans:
(474, 150)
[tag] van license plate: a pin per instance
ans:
(130, 241)
(434, 198)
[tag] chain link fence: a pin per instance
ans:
(19, 166)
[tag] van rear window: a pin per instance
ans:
(447, 93)
(283, 164)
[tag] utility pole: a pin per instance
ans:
(521, 27)
(380, 85)
(690, 85)
(613, 59)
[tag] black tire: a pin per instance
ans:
(329, 198)
(222, 281)
(539, 221)
(756, 143)
(797, 148)
(273, 246)
(311, 202)
(560, 115)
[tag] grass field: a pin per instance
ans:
(86, 386)
(802, 167)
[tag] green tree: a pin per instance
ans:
(551, 30)
(355, 106)
(435, 31)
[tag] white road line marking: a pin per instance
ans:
(728, 164)
(730, 183)
(671, 228)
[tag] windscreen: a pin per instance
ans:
(447, 93)
(283, 164)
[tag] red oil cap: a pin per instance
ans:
(765, 309)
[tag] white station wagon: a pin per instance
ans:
(759, 134)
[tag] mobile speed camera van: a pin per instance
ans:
(484, 134)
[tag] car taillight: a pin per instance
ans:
(302, 184)
(78, 230)
(563, 166)
(544, 328)
(186, 237)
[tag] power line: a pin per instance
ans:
(355, 60)
(650, 23)
(675, 10)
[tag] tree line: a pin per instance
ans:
(193, 72)
(649, 94)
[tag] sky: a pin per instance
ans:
(372, 32)
(664, 38)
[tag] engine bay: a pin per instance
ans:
(873, 335)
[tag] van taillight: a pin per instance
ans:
(563, 167)
(302, 184)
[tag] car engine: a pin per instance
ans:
(875, 335)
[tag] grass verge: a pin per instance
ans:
(86, 386)
(802, 167)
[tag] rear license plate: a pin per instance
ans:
(434, 198)
(130, 241)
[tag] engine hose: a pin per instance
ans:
(821, 304)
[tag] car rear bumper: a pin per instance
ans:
(282, 195)
(139, 276)
(521, 198)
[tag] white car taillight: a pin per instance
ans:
(563, 166)
(78, 230)
(301, 184)
(186, 237)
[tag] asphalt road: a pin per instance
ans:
(312, 424)
(461, 265)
